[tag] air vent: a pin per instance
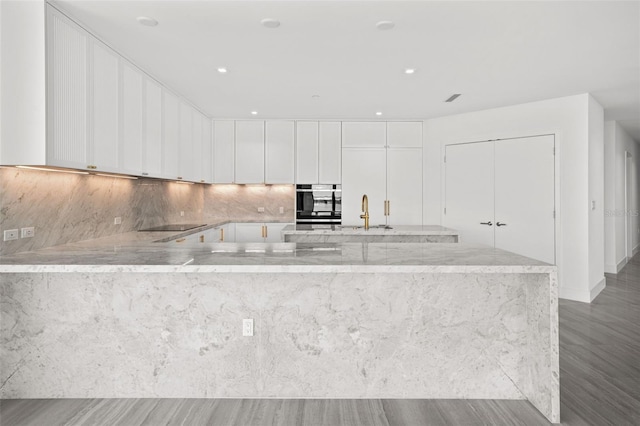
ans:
(453, 97)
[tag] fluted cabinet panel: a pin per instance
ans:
(67, 93)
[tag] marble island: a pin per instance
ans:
(128, 317)
(392, 234)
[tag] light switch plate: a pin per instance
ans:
(117, 220)
(260, 209)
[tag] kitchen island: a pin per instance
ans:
(375, 234)
(126, 317)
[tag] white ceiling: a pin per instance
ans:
(493, 53)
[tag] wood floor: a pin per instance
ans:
(599, 379)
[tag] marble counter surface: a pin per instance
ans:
(393, 234)
(138, 251)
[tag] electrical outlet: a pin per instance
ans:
(117, 220)
(281, 210)
(247, 327)
(260, 209)
(27, 232)
(10, 234)
(181, 213)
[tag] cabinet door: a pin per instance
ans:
(196, 158)
(104, 72)
(67, 99)
(469, 190)
(404, 134)
(307, 152)
(364, 134)
(330, 153)
(152, 152)
(131, 108)
(404, 186)
(170, 135)
(524, 197)
(207, 149)
(223, 151)
(363, 172)
(185, 147)
(249, 152)
(249, 232)
(279, 149)
(274, 232)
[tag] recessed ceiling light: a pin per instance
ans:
(385, 25)
(149, 22)
(222, 70)
(378, 113)
(254, 112)
(270, 23)
(409, 70)
(315, 97)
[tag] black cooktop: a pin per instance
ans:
(178, 227)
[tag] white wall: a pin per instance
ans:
(22, 81)
(567, 118)
(596, 196)
(617, 143)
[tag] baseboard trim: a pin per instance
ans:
(595, 291)
(611, 269)
(622, 264)
(635, 250)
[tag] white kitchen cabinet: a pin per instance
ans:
(363, 172)
(367, 134)
(249, 158)
(207, 152)
(185, 151)
(131, 118)
(404, 186)
(259, 232)
(330, 152)
(307, 160)
(223, 151)
(279, 152)
(170, 135)
(152, 148)
(67, 94)
(104, 123)
(404, 134)
(196, 133)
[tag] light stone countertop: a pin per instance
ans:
(373, 230)
(137, 252)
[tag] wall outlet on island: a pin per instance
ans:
(260, 209)
(247, 327)
(281, 210)
(181, 213)
(10, 234)
(27, 232)
(117, 220)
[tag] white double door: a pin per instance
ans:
(502, 194)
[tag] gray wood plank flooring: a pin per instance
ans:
(599, 381)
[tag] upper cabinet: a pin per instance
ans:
(224, 151)
(249, 152)
(67, 97)
(364, 134)
(404, 134)
(105, 114)
(318, 152)
(279, 152)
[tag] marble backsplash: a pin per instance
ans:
(65, 208)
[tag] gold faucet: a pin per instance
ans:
(365, 211)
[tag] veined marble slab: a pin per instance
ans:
(394, 234)
(317, 335)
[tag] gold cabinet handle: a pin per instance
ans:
(266, 231)
(179, 178)
(221, 234)
(202, 238)
(387, 209)
(92, 167)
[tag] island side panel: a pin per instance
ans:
(324, 335)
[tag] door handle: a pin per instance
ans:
(501, 224)
(486, 223)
